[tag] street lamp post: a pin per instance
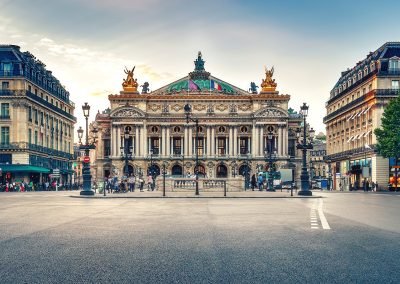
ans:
(268, 153)
(87, 177)
(304, 146)
(188, 111)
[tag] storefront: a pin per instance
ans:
(27, 173)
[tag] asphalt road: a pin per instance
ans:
(49, 237)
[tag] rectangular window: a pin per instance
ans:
(5, 110)
(36, 137)
(395, 84)
(221, 143)
(244, 145)
(30, 114)
(36, 116)
(200, 146)
(29, 136)
(107, 148)
(7, 69)
(176, 144)
(41, 118)
(155, 145)
(5, 135)
(5, 85)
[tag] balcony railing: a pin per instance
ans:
(4, 116)
(35, 148)
(349, 153)
(377, 92)
(38, 99)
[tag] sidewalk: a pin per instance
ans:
(203, 194)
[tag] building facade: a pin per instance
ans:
(36, 120)
(149, 129)
(354, 110)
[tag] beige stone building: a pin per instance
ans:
(354, 110)
(233, 129)
(36, 119)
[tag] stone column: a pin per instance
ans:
(112, 140)
(137, 141)
(285, 141)
(280, 140)
(168, 140)
(118, 140)
(253, 139)
(213, 141)
(163, 142)
(208, 141)
(230, 141)
(190, 141)
(235, 144)
(261, 146)
(144, 141)
(186, 141)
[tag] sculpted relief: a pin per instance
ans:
(127, 113)
(270, 113)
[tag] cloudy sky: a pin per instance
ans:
(87, 43)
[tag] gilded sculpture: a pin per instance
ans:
(268, 84)
(130, 84)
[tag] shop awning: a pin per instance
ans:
(24, 168)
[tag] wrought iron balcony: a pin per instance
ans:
(35, 148)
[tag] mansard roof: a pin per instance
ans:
(381, 55)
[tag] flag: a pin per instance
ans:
(193, 85)
(367, 146)
(215, 85)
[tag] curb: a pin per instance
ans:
(196, 197)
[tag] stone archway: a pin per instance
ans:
(222, 171)
(176, 170)
(130, 170)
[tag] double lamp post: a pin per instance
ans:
(87, 177)
(304, 145)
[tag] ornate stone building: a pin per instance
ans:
(36, 120)
(354, 110)
(151, 127)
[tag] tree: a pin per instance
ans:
(388, 136)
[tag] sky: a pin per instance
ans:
(88, 43)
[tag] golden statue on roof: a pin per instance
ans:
(268, 84)
(130, 84)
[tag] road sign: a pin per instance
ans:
(86, 159)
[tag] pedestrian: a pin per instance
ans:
(253, 182)
(367, 185)
(376, 186)
(141, 182)
(373, 186)
(46, 184)
(131, 182)
(260, 182)
(149, 182)
(340, 186)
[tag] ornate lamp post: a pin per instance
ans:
(188, 111)
(87, 177)
(304, 146)
(271, 159)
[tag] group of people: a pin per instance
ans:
(129, 184)
(366, 186)
(22, 186)
(257, 182)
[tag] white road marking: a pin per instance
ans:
(324, 222)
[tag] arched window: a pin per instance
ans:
(200, 129)
(365, 71)
(372, 66)
(359, 75)
(243, 129)
(177, 170)
(222, 171)
(221, 129)
(154, 129)
(177, 129)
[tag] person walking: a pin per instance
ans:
(131, 182)
(253, 182)
(141, 182)
(260, 182)
(149, 183)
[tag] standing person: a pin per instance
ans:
(46, 184)
(141, 182)
(131, 182)
(340, 186)
(260, 182)
(149, 182)
(367, 185)
(376, 186)
(253, 182)
(373, 186)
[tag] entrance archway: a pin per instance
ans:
(202, 171)
(176, 170)
(244, 169)
(130, 170)
(222, 171)
(153, 170)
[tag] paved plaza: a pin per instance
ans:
(51, 237)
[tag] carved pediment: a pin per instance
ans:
(127, 112)
(270, 112)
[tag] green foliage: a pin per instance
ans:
(388, 136)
